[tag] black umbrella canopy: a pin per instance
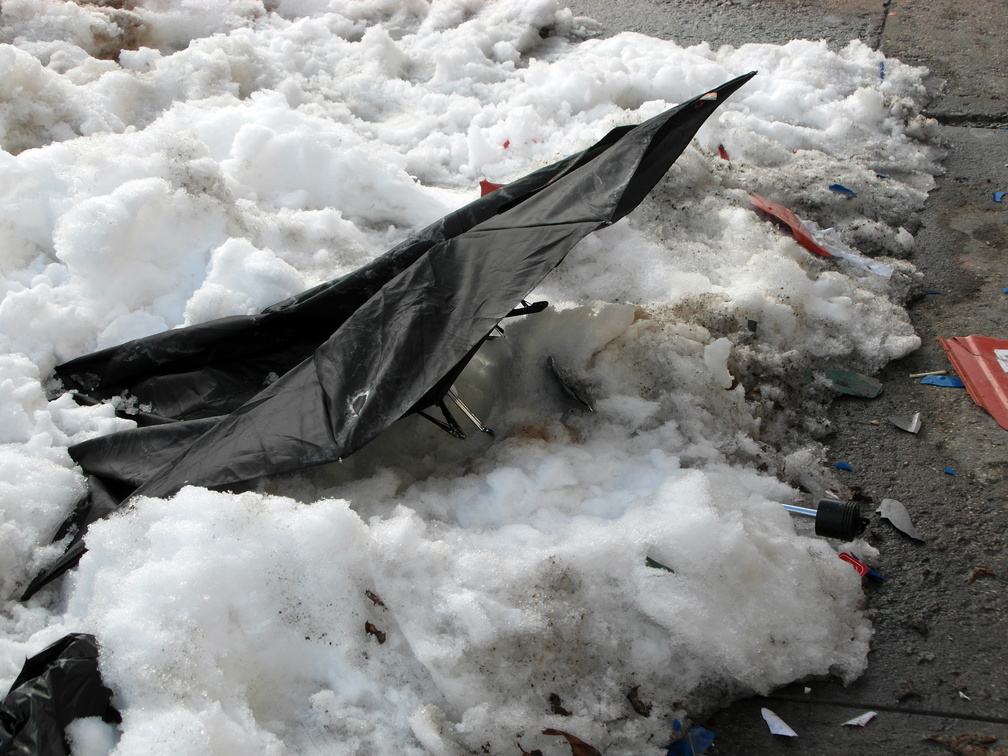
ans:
(356, 354)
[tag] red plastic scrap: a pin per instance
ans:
(723, 152)
(488, 186)
(857, 564)
(982, 363)
(801, 234)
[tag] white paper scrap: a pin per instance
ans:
(897, 514)
(777, 725)
(1002, 358)
(860, 721)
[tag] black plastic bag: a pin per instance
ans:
(56, 686)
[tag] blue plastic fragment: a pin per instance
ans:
(882, 175)
(949, 471)
(998, 196)
(932, 291)
(696, 741)
(1004, 290)
(881, 70)
(843, 466)
(870, 570)
(841, 189)
(949, 381)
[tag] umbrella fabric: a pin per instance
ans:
(356, 354)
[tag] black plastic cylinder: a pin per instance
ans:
(839, 519)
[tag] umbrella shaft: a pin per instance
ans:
(800, 510)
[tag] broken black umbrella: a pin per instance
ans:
(345, 360)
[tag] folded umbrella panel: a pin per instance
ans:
(285, 429)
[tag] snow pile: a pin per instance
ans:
(171, 163)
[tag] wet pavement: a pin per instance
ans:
(938, 667)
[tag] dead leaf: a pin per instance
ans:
(556, 705)
(578, 746)
(971, 744)
(977, 572)
(918, 624)
(644, 709)
(909, 691)
(370, 629)
(857, 493)
(536, 752)
(374, 598)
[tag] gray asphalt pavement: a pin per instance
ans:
(938, 662)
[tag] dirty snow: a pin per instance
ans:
(182, 161)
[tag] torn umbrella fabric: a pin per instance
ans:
(355, 354)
